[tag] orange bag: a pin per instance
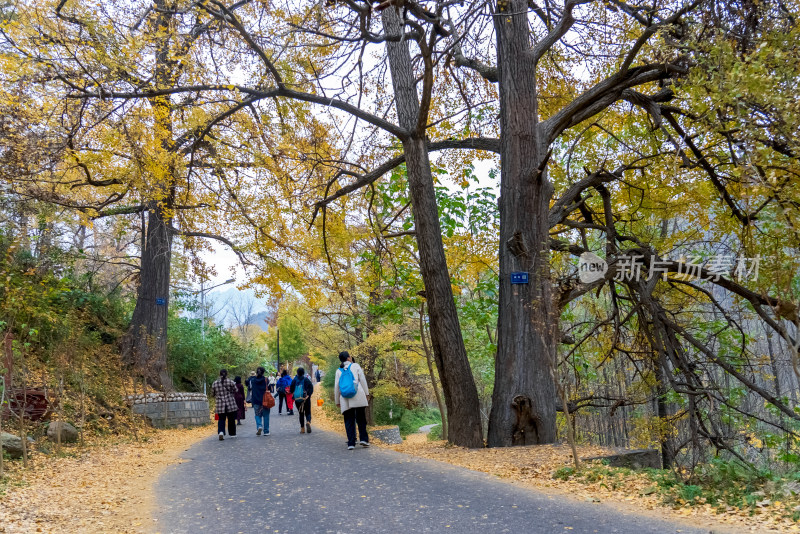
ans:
(268, 401)
(320, 402)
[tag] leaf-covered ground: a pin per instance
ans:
(535, 467)
(103, 487)
(107, 485)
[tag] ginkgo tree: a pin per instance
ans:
(272, 78)
(638, 62)
(130, 156)
(643, 132)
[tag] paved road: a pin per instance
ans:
(310, 483)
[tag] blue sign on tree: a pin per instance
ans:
(161, 301)
(519, 278)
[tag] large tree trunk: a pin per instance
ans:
(461, 396)
(523, 403)
(145, 345)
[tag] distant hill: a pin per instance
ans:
(259, 320)
(230, 296)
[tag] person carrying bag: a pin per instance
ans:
(224, 390)
(351, 394)
(302, 389)
(283, 393)
(259, 392)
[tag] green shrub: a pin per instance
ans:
(564, 473)
(329, 380)
(412, 420)
(435, 434)
(194, 357)
(720, 483)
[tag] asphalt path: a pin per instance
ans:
(289, 482)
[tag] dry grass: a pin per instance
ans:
(327, 418)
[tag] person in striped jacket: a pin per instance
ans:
(224, 390)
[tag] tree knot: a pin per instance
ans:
(517, 245)
(527, 423)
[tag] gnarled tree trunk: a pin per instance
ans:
(145, 344)
(523, 403)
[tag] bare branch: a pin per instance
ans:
(600, 96)
(559, 31)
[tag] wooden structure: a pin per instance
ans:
(32, 402)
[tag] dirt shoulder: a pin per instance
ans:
(534, 466)
(104, 487)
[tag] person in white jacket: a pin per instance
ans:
(354, 408)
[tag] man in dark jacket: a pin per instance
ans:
(247, 383)
(258, 386)
(283, 382)
(302, 389)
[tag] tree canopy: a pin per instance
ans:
(387, 170)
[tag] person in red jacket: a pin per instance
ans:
(289, 400)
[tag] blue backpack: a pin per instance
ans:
(348, 386)
(298, 389)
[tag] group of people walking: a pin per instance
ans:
(351, 395)
(230, 399)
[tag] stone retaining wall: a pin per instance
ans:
(632, 459)
(389, 436)
(188, 409)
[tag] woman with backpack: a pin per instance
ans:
(351, 393)
(258, 386)
(301, 389)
